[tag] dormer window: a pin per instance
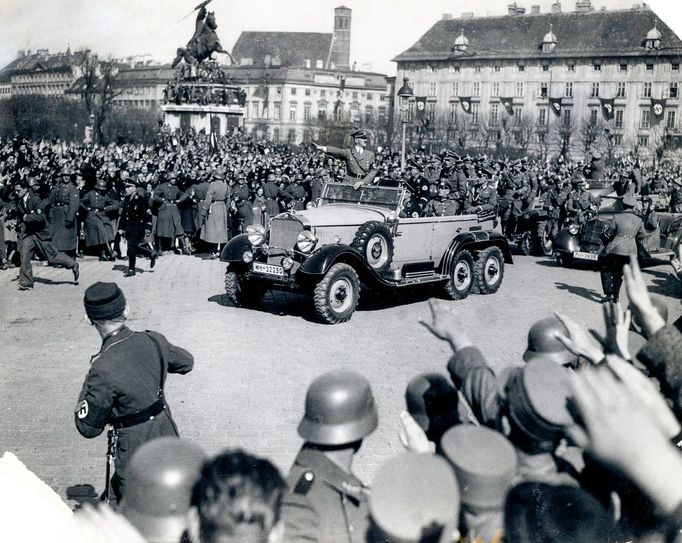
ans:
(549, 41)
(461, 43)
(653, 38)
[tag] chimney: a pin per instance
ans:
(583, 6)
(520, 11)
(535, 10)
(556, 8)
(447, 16)
(340, 56)
(511, 9)
(468, 15)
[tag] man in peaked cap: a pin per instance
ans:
(359, 161)
(125, 384)
(326, 502)
(415, 499)
(485, 463)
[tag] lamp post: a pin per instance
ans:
(404, 95)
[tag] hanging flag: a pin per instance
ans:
(555, 106)
(466, 104)
(607, 110)
(421, 109)
(508, 104)
(657, 110)
(213, 140)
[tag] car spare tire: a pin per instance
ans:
(375, 242)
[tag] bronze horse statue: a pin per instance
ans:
(204, 42)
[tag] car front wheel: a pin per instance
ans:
(336, 296)
(489, 270)
(461, 277)
(240, 292)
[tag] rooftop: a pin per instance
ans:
(283, 48)
(592, 33)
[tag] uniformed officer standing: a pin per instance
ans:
(124, 386)
(326, 502)
(135, 223)
(359, 161)
(64, 202)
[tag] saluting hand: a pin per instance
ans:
(447, 324)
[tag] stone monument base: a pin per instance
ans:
(221, 119)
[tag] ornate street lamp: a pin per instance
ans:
(405, 94)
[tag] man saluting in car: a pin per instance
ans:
(359, 161)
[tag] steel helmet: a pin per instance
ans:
(158, 491)
(101, 184)
(543, 343)
(339, 409)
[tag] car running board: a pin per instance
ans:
(417, 278)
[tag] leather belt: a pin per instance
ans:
(143, 415)
(356, 176)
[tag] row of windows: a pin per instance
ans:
(255, 111)
(495, 116)
(293, 91)
(521, 67)
(457, 88)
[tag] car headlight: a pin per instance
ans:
(256, 234)
(311, 205)
(306, 241)
(247, 257)
(573, 229)
(287, 263)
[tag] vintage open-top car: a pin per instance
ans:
(355, 237)
(584, 244)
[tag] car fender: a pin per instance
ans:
(474, 241)
(235, 249)
(320, 261)
(565, 242)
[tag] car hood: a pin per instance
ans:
(341, 214)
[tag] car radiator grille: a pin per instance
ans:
(592, 234)
(284, 233)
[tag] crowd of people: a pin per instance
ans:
(190, 195)
(577, 442)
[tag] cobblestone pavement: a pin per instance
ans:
(252, 367)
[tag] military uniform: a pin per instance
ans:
(136, 222)
(240, 195)
(99, 229)
(358, 163)
(324, 503)
(578, 205)
(64, 201)
(271, 192)
(441, 208)
(168, 223)
(297, 194)
(124, 387)
(482, 200)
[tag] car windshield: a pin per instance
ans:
(339, 193)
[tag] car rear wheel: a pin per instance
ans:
(461, 278)
(240, 292)
(525, 244)
(336, 296)
(489, 270)
(374, 241)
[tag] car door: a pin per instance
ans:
(412, 240)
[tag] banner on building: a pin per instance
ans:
(657, 110)
(607, 108)
(420, 113)
(555, 106)
(508, 104)
(466, 104)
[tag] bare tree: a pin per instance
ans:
(565, 131)
(523, 132)
(589, 133)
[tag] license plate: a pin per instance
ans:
(267, 268)
(586, 256)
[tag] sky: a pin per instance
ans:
(380, 29)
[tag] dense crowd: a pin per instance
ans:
(578, 441)
(202, 192)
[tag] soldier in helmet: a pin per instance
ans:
(163, 472)
(326, 502)
(99, 229)
(64, 202)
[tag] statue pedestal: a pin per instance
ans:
(208, 106)
(219, 119)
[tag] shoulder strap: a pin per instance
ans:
(161, 361)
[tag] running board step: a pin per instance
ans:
(421, 277)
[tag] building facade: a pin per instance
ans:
(41, 73)
(301, 85)
(570, 81)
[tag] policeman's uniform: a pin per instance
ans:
(136, 222)
(124, 386)
(326, 503)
